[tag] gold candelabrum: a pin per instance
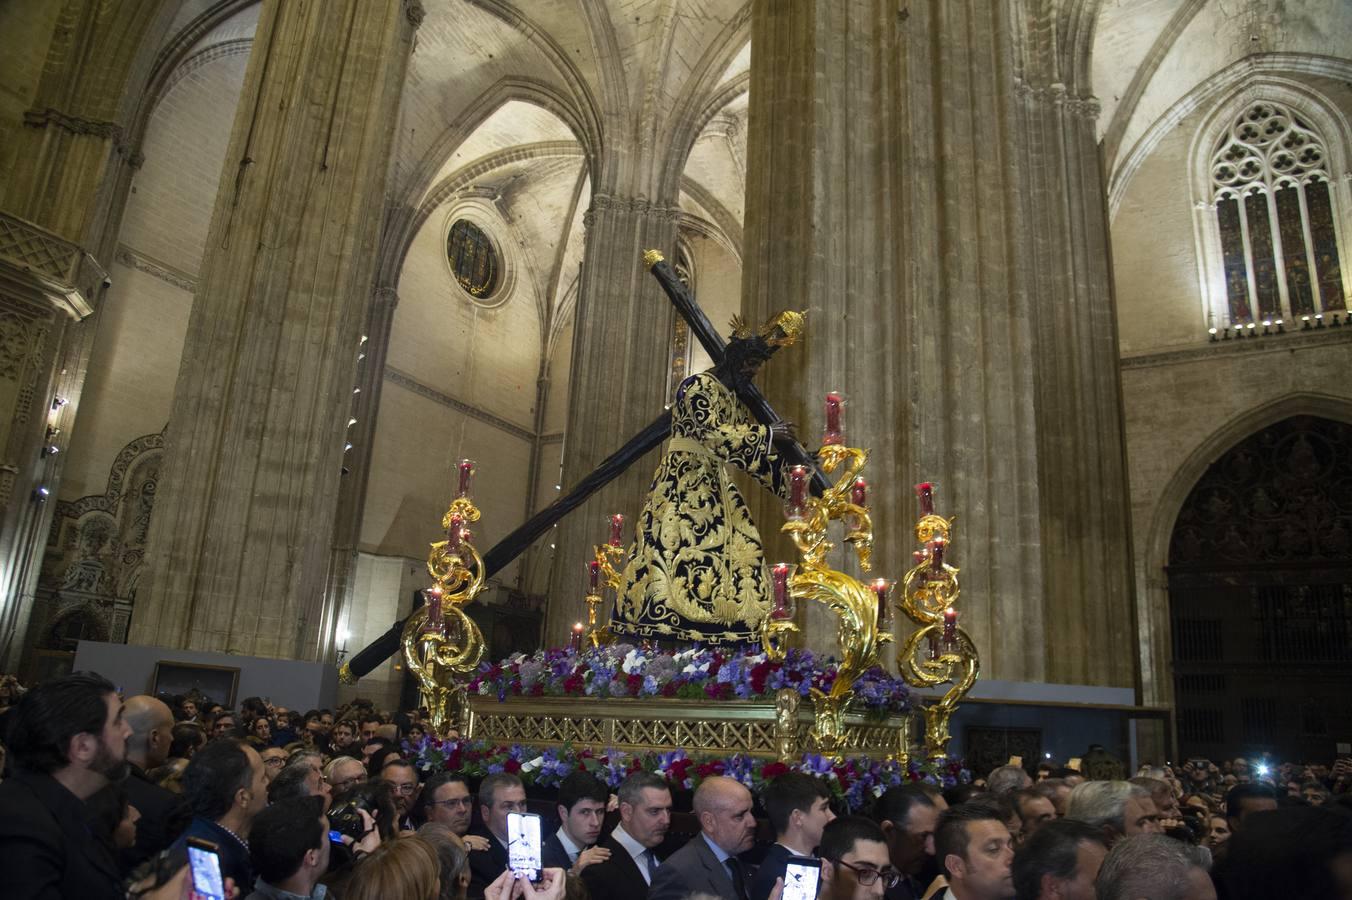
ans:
(441, 644)
(939, 651)
(856, 605)
(602, 574)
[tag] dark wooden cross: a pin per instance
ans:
(514, 544)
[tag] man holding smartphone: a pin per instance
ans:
(499, 795)
(799, 807)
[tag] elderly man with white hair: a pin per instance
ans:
(1117, 808)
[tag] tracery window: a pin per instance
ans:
(1275, 214)
(473, 259)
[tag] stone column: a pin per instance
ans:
(621, 349)
(244, 519)
(1086, 529)
(888, 191)
(55, 202)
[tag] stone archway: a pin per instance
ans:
(1260, 595)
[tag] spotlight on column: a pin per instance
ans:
(1304, 323)
(41, 494)
(1280, 328)
(58, 402)
(50, 450)
(1212, 331)
(1318, 320)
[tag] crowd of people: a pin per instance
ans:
(104, 797)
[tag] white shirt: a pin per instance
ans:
(635, 849)
(568, 846)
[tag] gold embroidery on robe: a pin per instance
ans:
(697, 571)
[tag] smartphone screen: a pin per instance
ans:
(206, 869)
(800, 878)
(523, 844)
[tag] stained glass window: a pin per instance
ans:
(473, 259)
(1275, 215)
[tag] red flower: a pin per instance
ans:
(773, 770)
(759, 673)
(713, 767)
(574, 684)
(670, 688)
(511, 765)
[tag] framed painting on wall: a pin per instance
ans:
(216, 683)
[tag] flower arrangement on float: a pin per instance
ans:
(626, 670)
(854, 780)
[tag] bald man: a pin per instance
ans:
(164, 814)
(709, 863)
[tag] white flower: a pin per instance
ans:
(634, 661)
(533, 764)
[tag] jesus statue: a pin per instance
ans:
(696, 571)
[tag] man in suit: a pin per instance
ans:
(582, 811)
(799, 807)
(855, 862)
(645, 816)
(499, 795)
(908, 814)
(164, 814)
(67, 741)
(973, 844)
(708, 864)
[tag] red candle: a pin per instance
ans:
(833, 434)
(594, 576)
(925, 491)
(933, 645)
(936, 553)
(455, 534)
(435, 621)
(882, 588)
(617, 530)
(859, 492)
(950, 626)
(575, 644)
(779, 577)
(466, 467)
(920, 556)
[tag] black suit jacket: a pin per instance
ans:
(553, 855)
(618, 878)
(772, 867)
(164, 816)
(692, 869)
(46, 849)
(485, 865)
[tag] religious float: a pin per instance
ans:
(747, 703)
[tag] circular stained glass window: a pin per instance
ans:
(473, 259)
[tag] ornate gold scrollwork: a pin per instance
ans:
(441, 644)
(607, 555)
(855, 605)
(936, 653)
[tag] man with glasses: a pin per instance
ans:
(976, 850)
(856, 864)
(274, 760)
(402, 778)
(499, 795)
(447, 801)
(344, 772)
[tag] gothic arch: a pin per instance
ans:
(1153, 595)
(1230, 79)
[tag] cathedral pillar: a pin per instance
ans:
(621, 350)
(1088, 600)
(244, 519)
(887, 192)
(59, 164)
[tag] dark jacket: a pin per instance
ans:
(164, 816)
(485, 865)
(693, 869)
(46, 848)
(235, 861)
(618, 878)
(771, 867)
(553, 855)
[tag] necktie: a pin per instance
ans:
(652, 864)
(735, 871)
